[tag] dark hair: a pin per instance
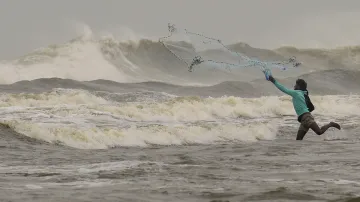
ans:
(302, 84)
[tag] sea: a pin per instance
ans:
(107, 120)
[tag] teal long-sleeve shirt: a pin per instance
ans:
(298, 98)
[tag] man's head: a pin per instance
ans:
(300, 85)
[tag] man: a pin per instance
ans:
(303, 107)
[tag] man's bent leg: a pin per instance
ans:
(319, 131)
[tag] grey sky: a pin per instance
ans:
(27, 25)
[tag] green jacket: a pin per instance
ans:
(298, 98)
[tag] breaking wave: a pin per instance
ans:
(88, 58)
(82, 119)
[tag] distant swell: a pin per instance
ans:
(327, 82)
(85, 59)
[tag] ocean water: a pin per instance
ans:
(104, 120)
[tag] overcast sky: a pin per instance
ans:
(29, 24)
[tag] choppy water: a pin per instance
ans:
(277, 170)
(107, 121)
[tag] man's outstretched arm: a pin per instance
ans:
(281, 87)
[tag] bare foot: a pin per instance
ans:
(335, 125)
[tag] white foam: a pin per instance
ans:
(74, 169)
(79, 60)
(80, 119)
(57, 97)
(332, 135)
(33, 186)
(100, 138)
(195, 109)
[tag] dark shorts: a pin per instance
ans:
(306, 121)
